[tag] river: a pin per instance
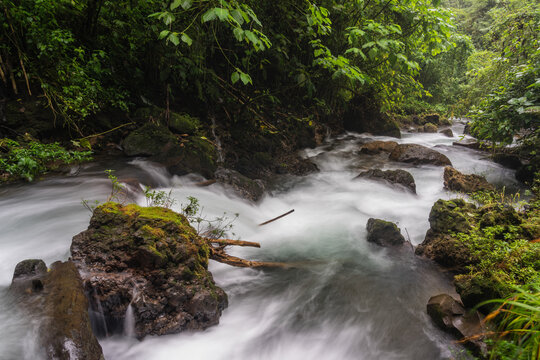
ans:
(351, 299)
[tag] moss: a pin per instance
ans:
(184, 123)
(150, 139)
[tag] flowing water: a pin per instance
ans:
(350, 299)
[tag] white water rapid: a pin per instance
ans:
(351, 300)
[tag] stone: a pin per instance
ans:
(471, 144)
(384, 233)
(151, 259)
(183, 123)
(449, 315)
(507, 160)
(57, 297)
(393, 177)
(430, 128)
(431, 118)
(192, 155)
(376, 147)
(447, 132)
(456, 181)
(245, 187)
(364, 115)
(418, 155)
(148, 140)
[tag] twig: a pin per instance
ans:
(232, 242)
(277, 218)
(221, 257)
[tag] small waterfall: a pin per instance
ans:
(217, 142)
(129, 322)
(97, 317)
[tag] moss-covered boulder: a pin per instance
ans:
(57, 298)
(456, 181)
(447, 218)
(183, 123)
(447, 132)
(148, 140)
(151, 260)
(364, 115)
(418, 155)
(240, 184)
(376, 147)
(430, 128)
(193, 154)
(384, 233)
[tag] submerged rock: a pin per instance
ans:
(451, 316)
(152, 260)
(242, 185)
(418, 155)
(384, 233)
(57, 298)
(395, 177)
(376, 147)
(456, 181)
(447, 132)
(430, 128)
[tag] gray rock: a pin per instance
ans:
(242, 185)
(394, 177)
(418, 155)
(447, 132)
(384, 233)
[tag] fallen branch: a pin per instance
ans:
(222, 257)
(232, 242)
(277, 218)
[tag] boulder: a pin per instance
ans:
(376, 147)
(393, 177)
(445, 218)
(151, 261)
(148, 140)
(431, 118)
(471, 144)
(418, 155)
(363, 115)
(242, 185)
(183, 123)
(507, 160)
(456, 181)
(57, 298)
(384, 233)
(452, 317)
(193, 154)
(447, 132)
(430, 128)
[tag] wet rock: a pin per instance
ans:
(456, 181)
(152, 259)
(526, 173)
(57, 298)
(448, 217)
(148, 140)
(471, 144)
(432, 118)
(183, 123)
(394, 177)
(430, 128)
(384, 233)
(474, 290)
(452, 317)
(418, 155)
(507, 160)
(467, 129)
(242, 185)
(192, 154)
(376, 147)
(447, 132)
(364, 115)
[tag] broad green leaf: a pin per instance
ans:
(209, 15)
(186, 4)
(185, 38)
(238, 33)
(237, 16)
(163, 34)
(221, 13)
(235, 76)
(175, 4)
(251, 37)
(174, 39)
(246, 79)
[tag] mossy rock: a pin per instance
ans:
(152, 259)
(384, 233)
(194, 155)
(430, 128)
(184, 123)
(475, 289)
(148, 140)
(451, 216)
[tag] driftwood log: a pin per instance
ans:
(217, 253)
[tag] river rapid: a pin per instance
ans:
(349, 300)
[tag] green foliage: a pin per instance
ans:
(158, 198)
(518, 323)
(31, 159)
(215, 228)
